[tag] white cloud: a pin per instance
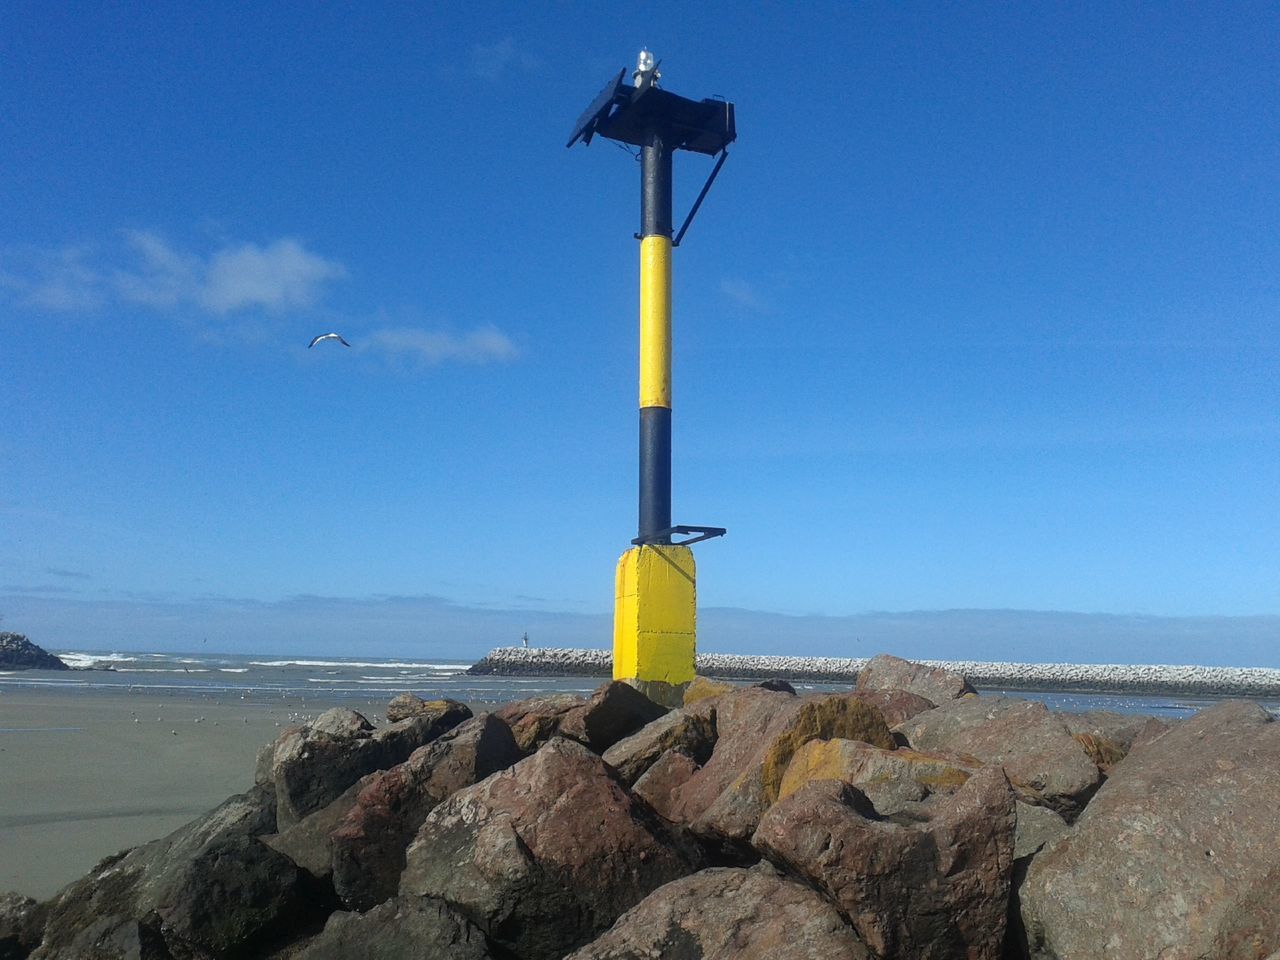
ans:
(428, 347)
(151, 272)
(742, 293)
(492, 61)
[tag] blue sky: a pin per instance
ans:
(981, 314)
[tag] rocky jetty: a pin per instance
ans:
(19, 653)
(910, 818)
(1165, 679)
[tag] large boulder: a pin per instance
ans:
(1175, 857)
(735, 813)
(211, 889)
(368, 845)
(19, 926)
(937, 890)
(1108, 736)
(310, 766)
(545, 855)
(885, 672)
(895, 705)
(660, 784)
(404, 706)
(728, 913)
(534, 721)
(19, 653)
(1044, 762)
(890, 779)
(411, 929)
(690, 730)
(616, 710)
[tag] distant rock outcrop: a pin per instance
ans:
(19, 653)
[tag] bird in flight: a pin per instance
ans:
(328, 336)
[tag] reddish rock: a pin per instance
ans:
(895, 705)
(886, 672)
(938, 890)
(546, 855)
(1043, 761)
(661, 781)
(888, 778)
(616, 710)
(533, 721)
(729, 914)
(368, 845)
(404, 706)
(690, 730)
(1115, 734)
(735, 813)
(311, 766)
(1176, 855)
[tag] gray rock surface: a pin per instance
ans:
(691, 730)
(1176, 856)
(1044, 762)
(614, 711)
(546, 855)
(19, 653)
(729, 914)
(534, 721)
(889, 673)
(418, 928)
(938, 890)
(20, 925)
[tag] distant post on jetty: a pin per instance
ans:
(655, 599)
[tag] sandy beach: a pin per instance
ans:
(85, 774)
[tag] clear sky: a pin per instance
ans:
(980, 314)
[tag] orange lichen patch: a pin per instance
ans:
(1105, 753)
(700, 688)
(867, 767)
(843, 717)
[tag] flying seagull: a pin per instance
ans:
(328, 336)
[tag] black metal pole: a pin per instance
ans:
(655, 339)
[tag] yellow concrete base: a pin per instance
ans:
(654, 618)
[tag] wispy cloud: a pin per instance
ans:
(147, 270)
(742, 293)
(428, 348)
(493, 61)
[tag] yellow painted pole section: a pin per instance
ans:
(655, 615)
(655, 321)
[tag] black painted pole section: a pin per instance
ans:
(655, 418)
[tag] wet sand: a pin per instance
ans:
(85, 774)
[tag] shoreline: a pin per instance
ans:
(1169, 679)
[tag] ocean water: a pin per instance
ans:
(368, 683)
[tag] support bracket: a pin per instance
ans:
(700, 534)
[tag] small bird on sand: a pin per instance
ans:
(328, 336)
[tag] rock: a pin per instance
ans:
(778, 686)
(311, 766)
(211, 889)
(308, 842)
(895, 705)
(1037, 827)
(546, 855)
(747, 721)
(690, 730)
(728, 913)
(533, 721)
(406, 705)
(888, 778)
(885, 672)
(1115, 733)
(1043, 761)
(19, 653)
(701, 688)
(658, 786)
(615, 710)
(1175, 856)
(936, 891)
(410, 929)
(20, 925)
(735, 813)
(368, 846)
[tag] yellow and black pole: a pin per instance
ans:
(655, 609)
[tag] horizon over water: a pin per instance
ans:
(368, 683)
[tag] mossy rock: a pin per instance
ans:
(843, 717)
